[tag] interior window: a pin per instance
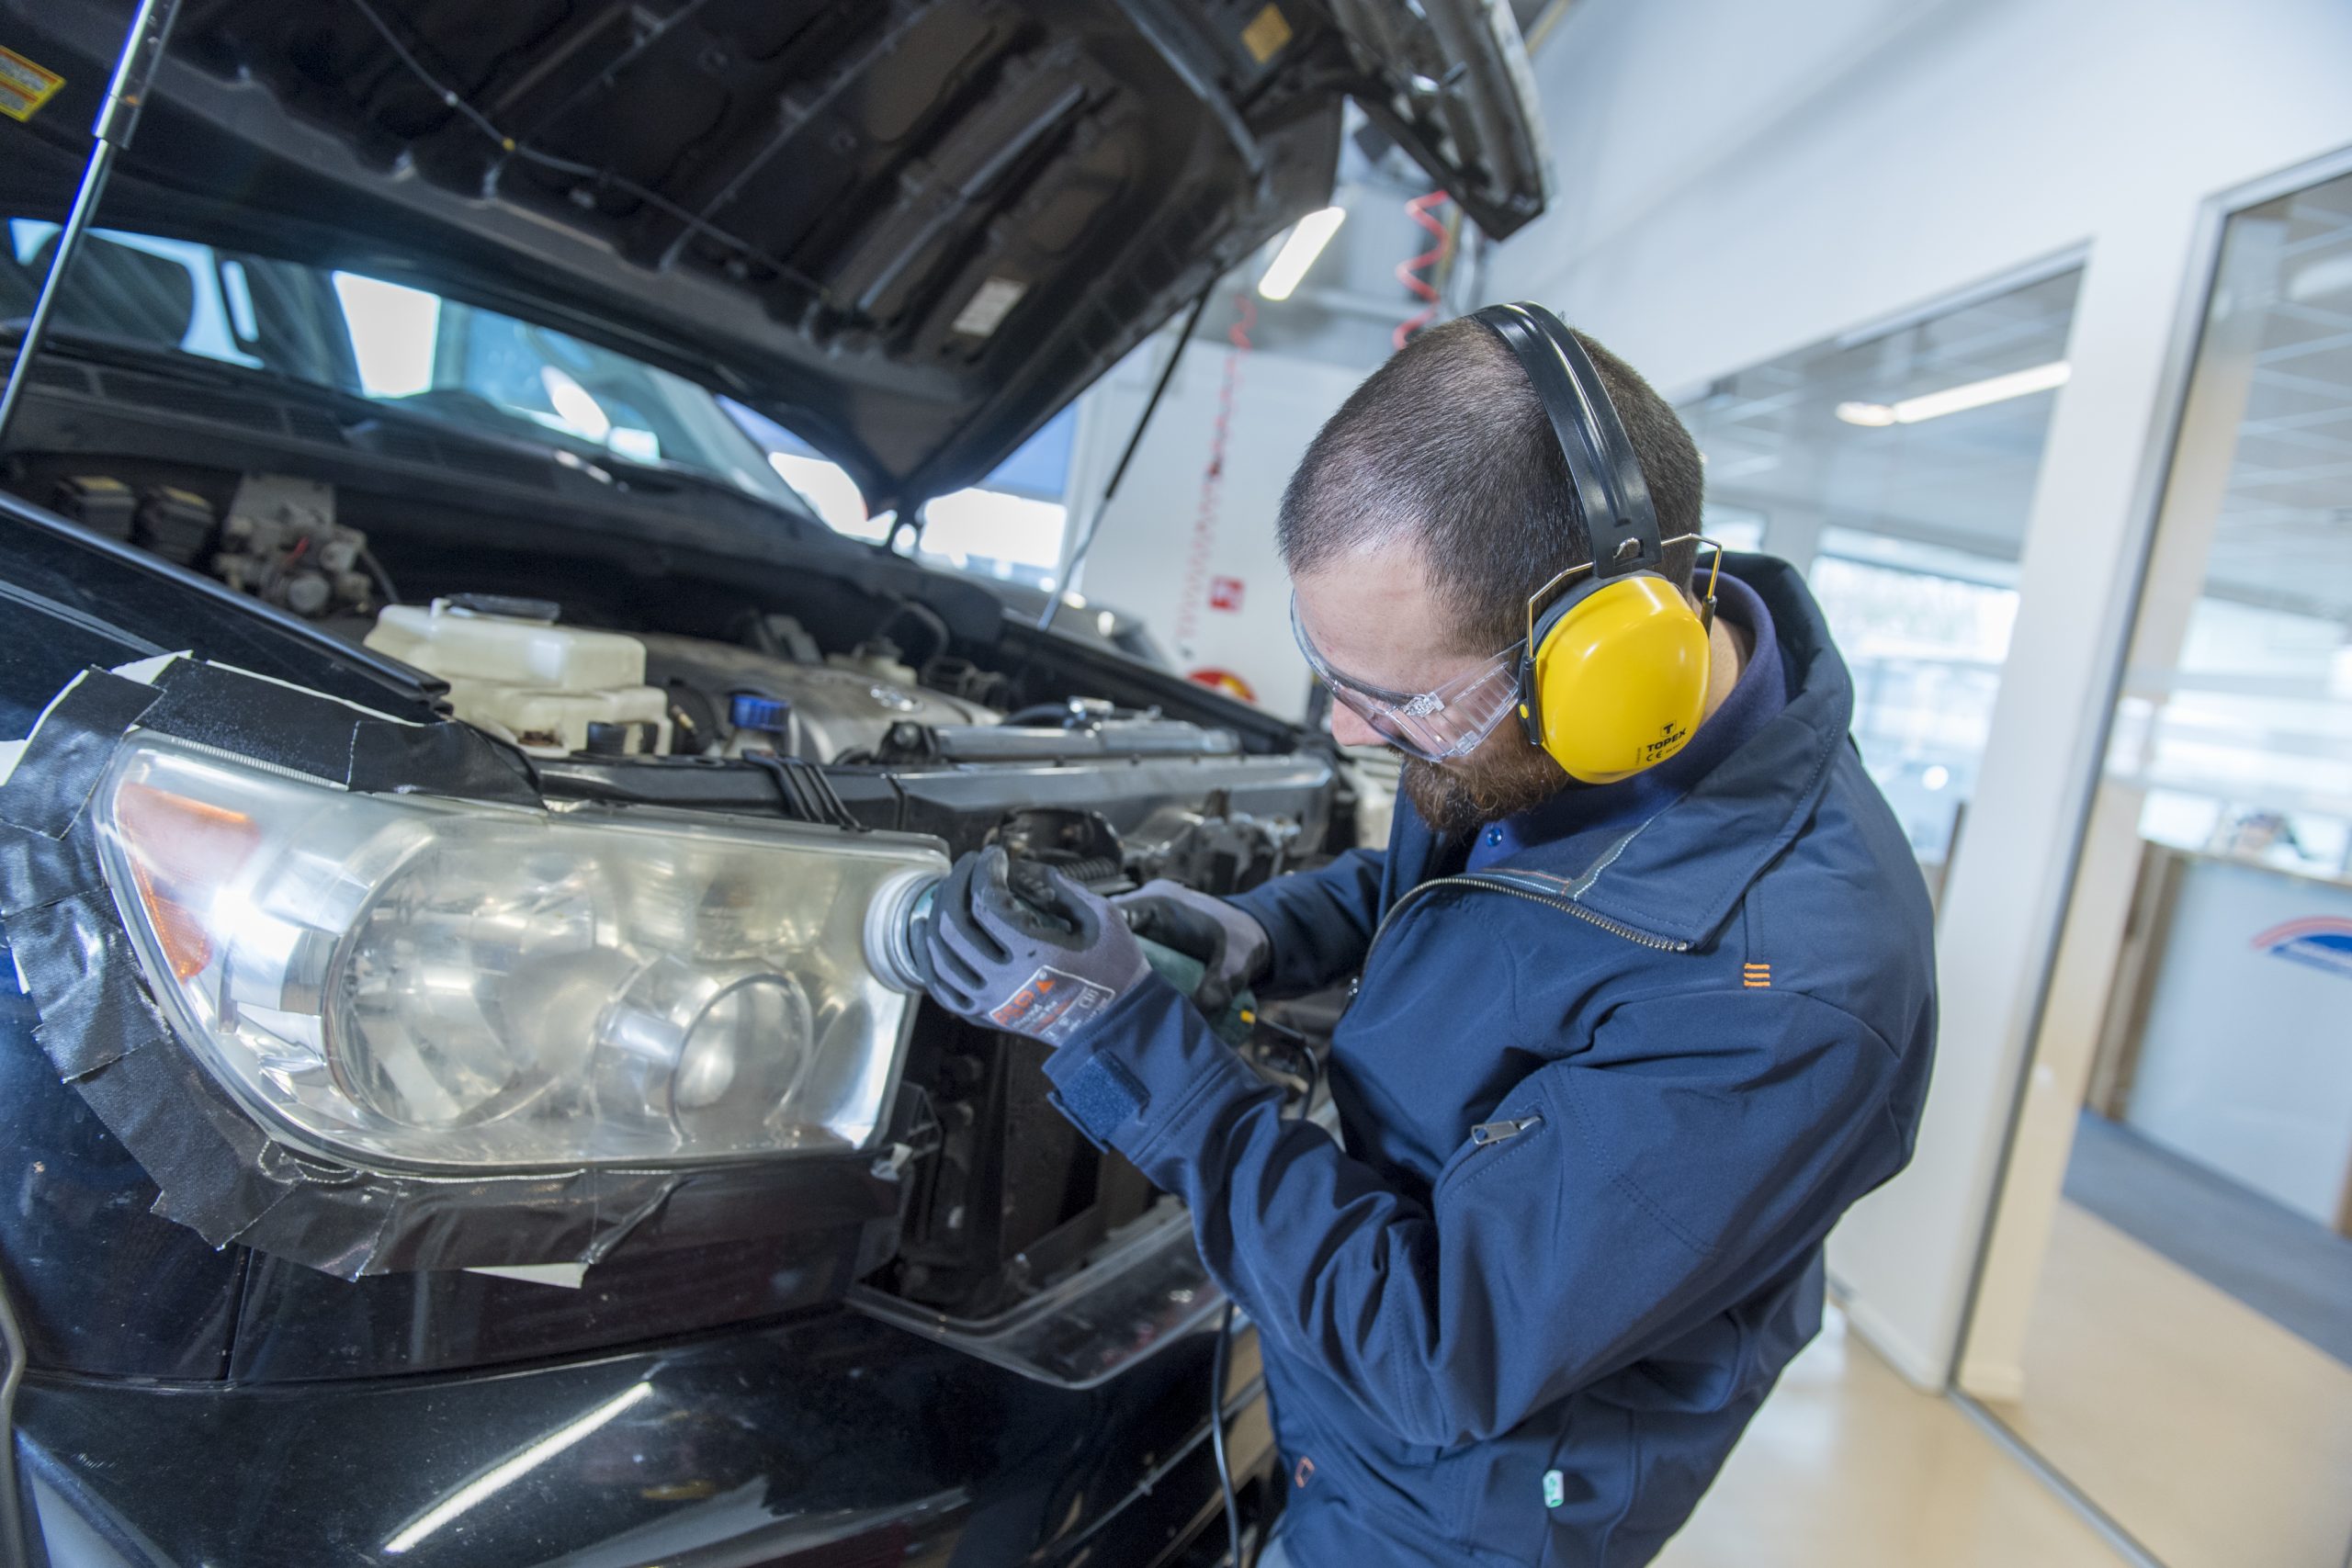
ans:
(1896, 469)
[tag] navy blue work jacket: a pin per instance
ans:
(1600, 1105)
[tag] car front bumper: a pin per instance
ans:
(833, 1441)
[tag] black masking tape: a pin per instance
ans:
(289, 728)
(283, 725)
(221, 1171)
(35, 866)
(69, 751)
(390, 758)
(78, 963)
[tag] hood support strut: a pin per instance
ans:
(1085, 535)
(143, 48)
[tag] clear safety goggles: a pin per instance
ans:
(1434, 726)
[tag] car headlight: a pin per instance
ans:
(421, 983)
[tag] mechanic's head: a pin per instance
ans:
(1423, 515)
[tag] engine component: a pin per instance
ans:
(963, 679)
(1219, 850)
(877, 657)
(762, 716)
(914, 742)
(175, 523)
(781, 637)
(1081, 845)
(828, 709)
(281, 543)
(1077, 712)
(552, 690)
(102, 505)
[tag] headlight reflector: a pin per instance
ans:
(424, 983)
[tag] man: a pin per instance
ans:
(1621, 1052)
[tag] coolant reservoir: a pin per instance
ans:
(556, 689)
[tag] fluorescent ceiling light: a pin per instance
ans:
(1307, 238)
(1952, 400)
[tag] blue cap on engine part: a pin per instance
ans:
(752, 711)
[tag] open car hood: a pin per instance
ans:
(908, 230)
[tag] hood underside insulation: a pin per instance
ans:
(908, 230)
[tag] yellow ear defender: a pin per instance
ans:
(1614, 677)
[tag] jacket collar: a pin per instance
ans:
(1676, 876)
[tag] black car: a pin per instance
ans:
(457, 802)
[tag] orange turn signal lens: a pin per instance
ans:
(181, 850)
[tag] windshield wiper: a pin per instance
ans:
(134, 354)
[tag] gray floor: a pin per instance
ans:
(2293, 1270)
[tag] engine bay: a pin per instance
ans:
(631, 672)
(524, 617)
(518, 669)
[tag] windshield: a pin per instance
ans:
(1008, 528)
(413, 350)
(404, 347)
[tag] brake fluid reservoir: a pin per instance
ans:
(555, 689)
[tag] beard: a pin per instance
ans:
(1494, 781)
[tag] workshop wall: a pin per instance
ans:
(1191, 554)
(1188, 545)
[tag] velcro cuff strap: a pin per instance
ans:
(1101, 1096)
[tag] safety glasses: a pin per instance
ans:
(1434, 725)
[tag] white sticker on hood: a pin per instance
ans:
(564, 1276)
(989, 304)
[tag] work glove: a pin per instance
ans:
(1231, 946)
(1017, 947)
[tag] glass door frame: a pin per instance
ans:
(2050, 1089)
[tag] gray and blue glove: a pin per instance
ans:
(1018, 946)
(1233, 948)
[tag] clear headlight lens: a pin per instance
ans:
(429, 983)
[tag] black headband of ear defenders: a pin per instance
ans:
(1611, 491)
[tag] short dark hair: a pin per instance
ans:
(1449, 445)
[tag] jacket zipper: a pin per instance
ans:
(1487, 1132)
(1613, 928)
